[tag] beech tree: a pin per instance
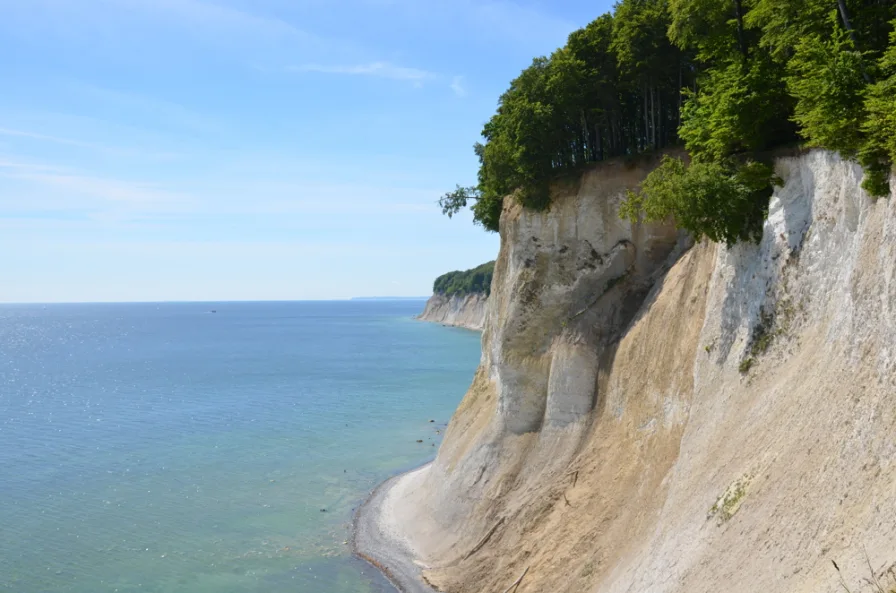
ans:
(727, 79)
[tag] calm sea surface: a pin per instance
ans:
(166, 448)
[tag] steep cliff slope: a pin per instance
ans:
(651, 418)
(467, 310)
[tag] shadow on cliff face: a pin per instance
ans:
(625, 302)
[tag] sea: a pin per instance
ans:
(211, 447)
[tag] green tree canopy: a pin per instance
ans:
(728, 79)
(475, 281)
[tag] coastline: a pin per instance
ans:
(376, 540)
(469, 328)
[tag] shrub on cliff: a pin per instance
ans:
(726, 202)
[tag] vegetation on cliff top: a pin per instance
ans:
(475, 281)
(728, 79)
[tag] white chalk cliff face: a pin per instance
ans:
(650, 417)
(467, 310)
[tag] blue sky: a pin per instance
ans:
(249, 149)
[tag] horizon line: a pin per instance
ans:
(226, 301)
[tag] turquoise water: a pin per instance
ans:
(166, 448)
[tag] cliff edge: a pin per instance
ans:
(651, 416)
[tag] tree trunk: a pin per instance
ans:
(614, 140)
(739, 15)
(646, 119)
(680, 88)
(584, 137)
(844, 14)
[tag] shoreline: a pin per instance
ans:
(469, 328)
(377, 542)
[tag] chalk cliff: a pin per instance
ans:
(652, 416)
(468, 310)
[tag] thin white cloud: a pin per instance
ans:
(34, 188)
(204, 19)
(18, 165)
(106, 189)
(103, 148)
(220, 16)
(457, 85)
(150, 31)
(532, 24)
(517, 20)
(375, 69)
(258, 36)
(161, 110)
(53, 188)
(48, 138)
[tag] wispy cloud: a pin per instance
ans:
(104, 189)
(36, 188)
(258, 36)
(152, 33)
(375, 69)
(216, 20)
(146, 107)
(457, 85)
(17, 165)
(218, 16)
(516, 21)
(94, 146)
(48, 138)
